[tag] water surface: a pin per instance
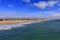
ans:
(49, 30)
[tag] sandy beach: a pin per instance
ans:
(16, 21)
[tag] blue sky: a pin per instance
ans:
(30, 8)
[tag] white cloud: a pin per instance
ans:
(44, 4)
(10, 5)
(52, 3)
(55, 15)
(50, 14)
(26, 0)
(58, 8)
(41, 4)
(58, 4)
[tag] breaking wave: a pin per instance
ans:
(9, 26)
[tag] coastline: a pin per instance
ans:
(17, 21)
(7, 25)
(13, 24)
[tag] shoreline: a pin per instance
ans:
(10, 26)
(17, 21)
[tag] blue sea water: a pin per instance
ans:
(48, 30)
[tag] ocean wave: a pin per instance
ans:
(10, 26)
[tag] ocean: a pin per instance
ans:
(48, 30)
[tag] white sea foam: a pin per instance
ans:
(9, 26)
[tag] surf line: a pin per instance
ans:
(10, 26)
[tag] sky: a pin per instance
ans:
(29, 8)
